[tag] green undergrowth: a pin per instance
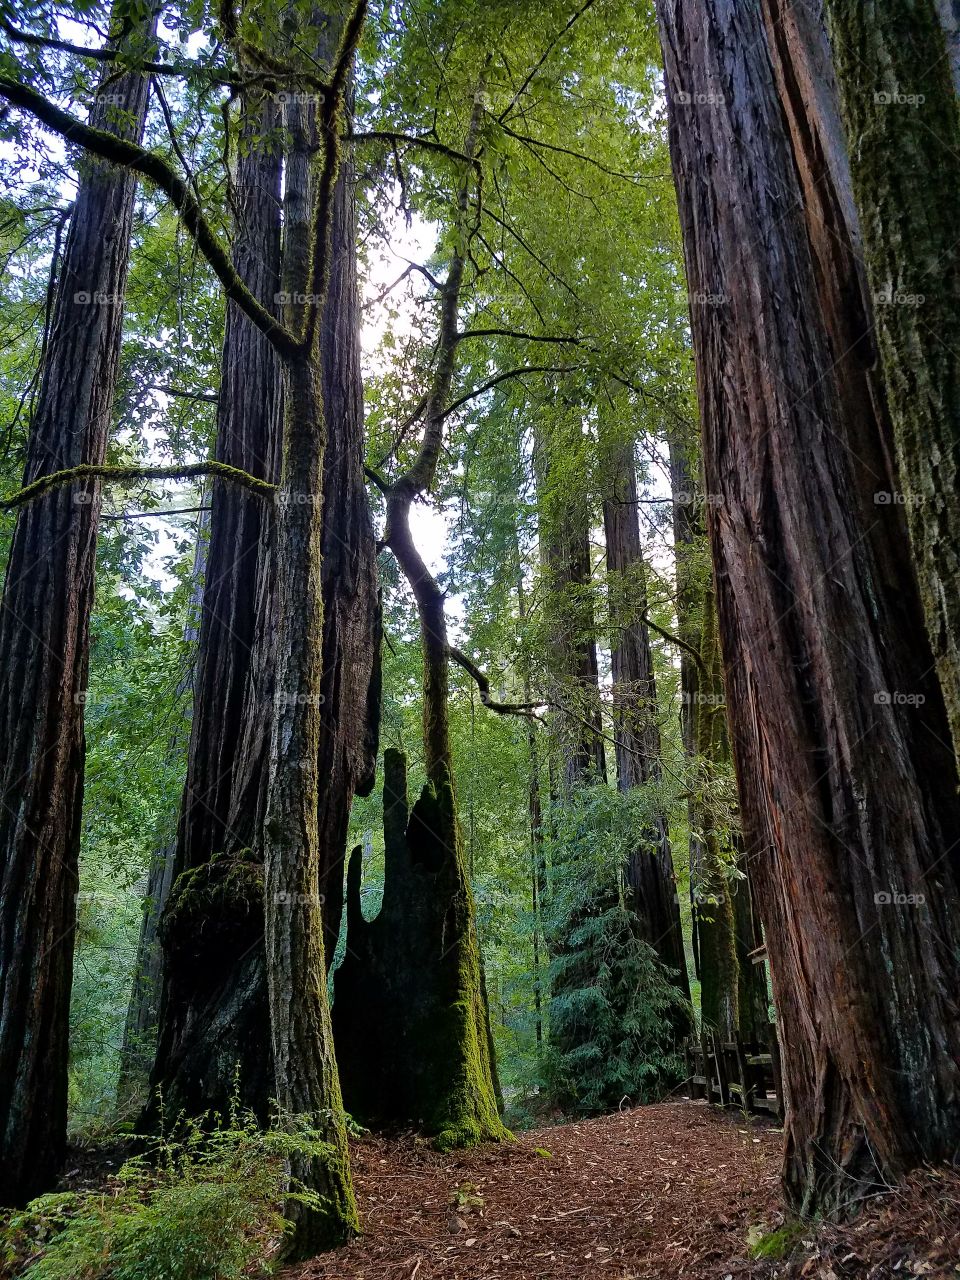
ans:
(774, 1246)
(202, 1205)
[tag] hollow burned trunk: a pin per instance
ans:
(409, 1015)
(839, 732)
(47, 598)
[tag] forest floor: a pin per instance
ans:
(676, 1190)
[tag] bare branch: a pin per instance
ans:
(528, 710)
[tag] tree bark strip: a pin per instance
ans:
(47, 598)
(849, 794)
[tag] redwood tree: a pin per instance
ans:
(840, 734)
(902, 116)
(44, 623)
(649, 875)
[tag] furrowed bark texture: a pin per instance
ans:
(650, 881)
(902, 118)
(570, 620)
(213, 1003)
(223, 1008)
(308, 1085)
(47, 598)
(848, 791)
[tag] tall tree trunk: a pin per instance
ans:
(650, 880)
(47, 598)
(213, 1002)
(216, 1010)
(849, 794)
(902, 118)
(308, 1085)
(569, 617)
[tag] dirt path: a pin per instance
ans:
(660, 1192)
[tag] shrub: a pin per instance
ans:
(203, 1206)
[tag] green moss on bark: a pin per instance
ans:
(410, 1013)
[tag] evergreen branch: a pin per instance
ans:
(675, 639)
(88, 470)
(130, 155)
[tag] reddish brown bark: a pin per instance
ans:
(213, 1011)
(849, 796)
(47, 598)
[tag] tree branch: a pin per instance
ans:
(88, 471)
(131, 156)
(528, 710)
(509, 373)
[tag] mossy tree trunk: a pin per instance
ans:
(849, 795)
(902, 118)
(215, 1010)
(213, 995)
(47, 598)
(410, 1013)
(307, 1081)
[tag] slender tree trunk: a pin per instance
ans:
(649, 874)
(902, 118)
(535, 810)
(569, 619)
(308, 1085)
(848, 789)
(47, 598)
